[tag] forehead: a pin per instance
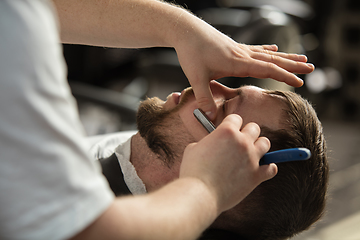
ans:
(261, 106)
(261, 96)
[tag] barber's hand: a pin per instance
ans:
(209, 55)
(227, 161)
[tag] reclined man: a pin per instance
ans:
(278, 208)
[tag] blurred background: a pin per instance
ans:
(109, 83)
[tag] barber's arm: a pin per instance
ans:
(216, 174)
(204, 53)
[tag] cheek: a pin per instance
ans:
(191, 124)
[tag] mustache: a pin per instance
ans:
(155, 103)
(187, 94)
(153, 121)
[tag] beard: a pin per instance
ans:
(162, 129)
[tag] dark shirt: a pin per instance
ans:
(113, 173)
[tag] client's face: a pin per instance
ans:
(169, 126)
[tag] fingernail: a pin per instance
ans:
(303, 58)
(301, 81)
(311, 65)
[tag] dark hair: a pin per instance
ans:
(295, 198)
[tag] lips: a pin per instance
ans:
(176, 96)
(181, 95)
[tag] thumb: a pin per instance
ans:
(204, 98)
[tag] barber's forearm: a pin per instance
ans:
(122, 23)
(180, 210)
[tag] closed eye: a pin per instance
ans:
(224, 105)
(225, 102)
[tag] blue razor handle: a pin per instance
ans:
(286, 155)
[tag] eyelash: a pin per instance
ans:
(224, 105)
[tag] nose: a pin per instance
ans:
(221, 91)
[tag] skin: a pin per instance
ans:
(201, 193)
(249, 102)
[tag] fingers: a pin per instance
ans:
(267, 172)
(262, 144)
(272, 47)
(261, 69)
(251, 129)
(251, 132)
(268, 50)
(227, 161)
(204, 98)
(232, 120)
(292, 62)
(266, 62)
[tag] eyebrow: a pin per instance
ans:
(241, 98)
(239, 91)
(275, 94)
